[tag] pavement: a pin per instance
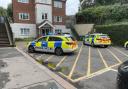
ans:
(20, 71)
(88, 67)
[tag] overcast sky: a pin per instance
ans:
(72, 5)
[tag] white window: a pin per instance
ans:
(25, 31)
(23, 1)
(24, 16)
(58, 31)
(44, 1)
(58, 4)
(57, 18)
(44, 16)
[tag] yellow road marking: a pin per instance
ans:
(114, 70)
(61, 61)
(96, 73)
(49, 58)
(102, 58)
(121, 52)
(89, 62)
(115, 56)
(74, 65)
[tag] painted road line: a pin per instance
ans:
(74, 65)
(62, 60)
(92, 75)
(96, 73)
(121, 52)
(89, 62)
(105, 63)
(114, 70)
(50, 57)
(115, 56)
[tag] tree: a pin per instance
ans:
(9, 11)
(2, 11)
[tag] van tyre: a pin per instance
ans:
(31, 49)
(58, 51)
(92, 44)
(127, 46)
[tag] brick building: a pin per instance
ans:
(34, 18)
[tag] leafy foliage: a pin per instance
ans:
(117, 32)
(103, 14)
(2, 12)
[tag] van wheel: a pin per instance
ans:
(105, 46)
(31, 49)
(127, 46)
(92, 44)
(58, 51)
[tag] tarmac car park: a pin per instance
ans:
(87, 67)
(97, 39)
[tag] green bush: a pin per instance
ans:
(103, 14)
(117, 32)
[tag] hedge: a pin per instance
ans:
(117, 32)
(103, 14)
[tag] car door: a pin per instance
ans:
(91, 39)
(87, 39)
(41, 44)
(51, 42)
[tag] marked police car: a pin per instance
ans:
(97, 39)
(126, 45)
(54, 44)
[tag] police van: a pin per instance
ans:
(54, 44)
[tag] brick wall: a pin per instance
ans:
(59, 12)
(24, 8)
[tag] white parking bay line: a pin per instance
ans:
(102, 58)
(50, 57)
(62, 60)
(115, 56)
(74, 65)
(89, 62)
(121, 52)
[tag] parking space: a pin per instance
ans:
(87, 66)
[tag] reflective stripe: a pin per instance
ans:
(38, 44)
(51, 44)
(44, 44)
(57, 44)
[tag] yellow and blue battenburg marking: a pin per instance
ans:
(52, 44)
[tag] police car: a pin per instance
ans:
(126, 45)
(97, 39)
(54, 44)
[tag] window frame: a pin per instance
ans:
(23, 1)
(25, 31)
(21, 16)
(58, 4)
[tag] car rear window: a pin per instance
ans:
(70, 38)
(104, 36)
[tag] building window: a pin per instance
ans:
(23, 1)
(44, 16)
(44, 1)
(58, 4)
(23, 16)
(57, 18)
(25, 31)
(58, 31)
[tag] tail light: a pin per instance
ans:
(69, 43)
(98, 39)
